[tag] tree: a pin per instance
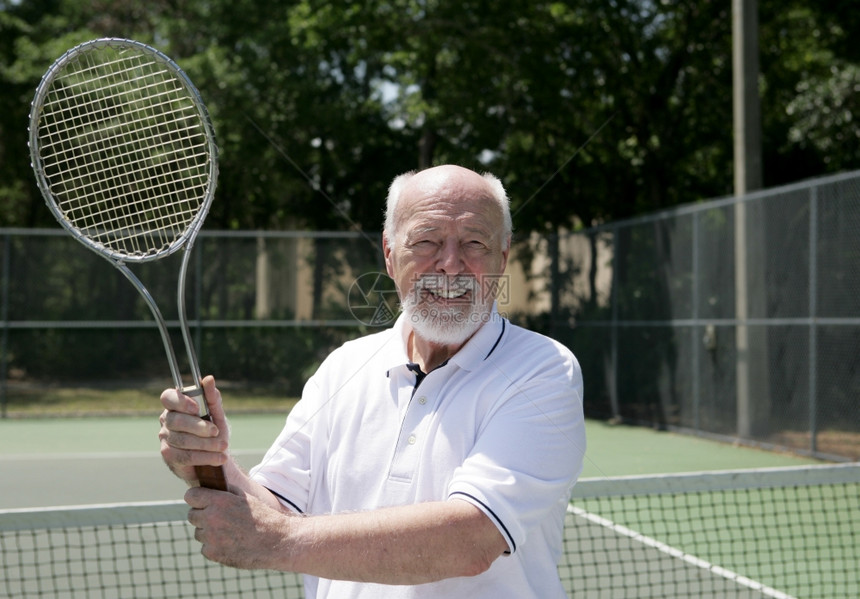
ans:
(811, 72)
(589, 110)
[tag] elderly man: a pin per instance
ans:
(433, 459)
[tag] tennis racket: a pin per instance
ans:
(125, 156)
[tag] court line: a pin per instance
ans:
(678, 554)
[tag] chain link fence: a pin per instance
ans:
(737, 318)
(263, 309)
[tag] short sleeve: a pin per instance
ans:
(286, 468)
(527, 455)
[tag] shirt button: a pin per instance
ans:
(411, 440)
(422, 400)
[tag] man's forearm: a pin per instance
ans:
(411, 544)
(403, 545)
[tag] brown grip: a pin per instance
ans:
(211, 477)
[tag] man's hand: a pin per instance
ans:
(239, 530)
(186, 439)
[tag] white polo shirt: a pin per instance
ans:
(499, 425)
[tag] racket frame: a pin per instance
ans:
(209, 476)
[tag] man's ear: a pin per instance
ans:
(386, 253)
(505, 253)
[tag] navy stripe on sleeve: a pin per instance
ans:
(284, 499)
(493, 515)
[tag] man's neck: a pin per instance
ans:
(429, 355)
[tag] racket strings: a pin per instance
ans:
(125, 152)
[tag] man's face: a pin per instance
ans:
(448, 241)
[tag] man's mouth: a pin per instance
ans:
(446, 289)
(450, 293)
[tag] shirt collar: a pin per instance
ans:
(476, 350)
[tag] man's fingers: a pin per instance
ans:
(191, 442)
(178, 422)
(180, 458)
(174, 401)
(188, 440)
(199, 498)
(213, 401)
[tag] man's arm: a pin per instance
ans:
(411, 544)
(249, 527)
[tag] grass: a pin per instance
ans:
(26, 401)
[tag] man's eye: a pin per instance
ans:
(422, 245)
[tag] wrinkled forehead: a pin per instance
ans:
(456, 197)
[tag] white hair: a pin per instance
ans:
(498, 192)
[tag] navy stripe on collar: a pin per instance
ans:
(497, 340)
(420, 374)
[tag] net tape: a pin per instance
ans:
(761, 533)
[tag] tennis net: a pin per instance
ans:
(783, 532)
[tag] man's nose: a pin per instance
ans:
(450, 260)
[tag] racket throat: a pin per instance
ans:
(192, 391)
(195, 392)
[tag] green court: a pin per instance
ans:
(71, 461)
(612, 449)
(655, 514)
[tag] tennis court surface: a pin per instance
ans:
(785, 532)
(767, 532)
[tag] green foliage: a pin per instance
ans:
(589, 111)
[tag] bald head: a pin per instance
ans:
(450, 184)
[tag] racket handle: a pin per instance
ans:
(211, 477)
